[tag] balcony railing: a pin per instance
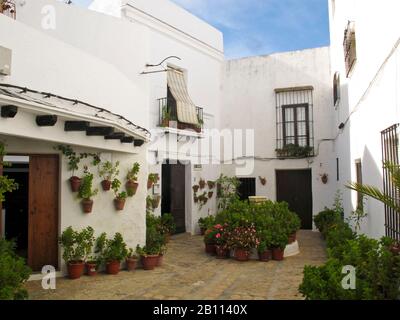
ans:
(8, 8)
(168, 117)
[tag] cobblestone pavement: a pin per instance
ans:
(188, 273)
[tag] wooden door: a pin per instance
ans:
(43, 211)
(294, 187)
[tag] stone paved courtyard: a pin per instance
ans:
(188, 273)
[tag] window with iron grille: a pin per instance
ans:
(349, 45)
(247, 188)
(359, 179)
(390, 153)
(336, 89)
(294, 114)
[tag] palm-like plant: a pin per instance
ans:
(374, 192)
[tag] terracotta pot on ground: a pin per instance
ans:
(242, 255)
(106, 184)
(265, 256)
(149, 262)
(292, 238)
(210, 249)
(277, 254)
(87, 205)
(160, 260)
(113, 267)
(131, 187)
(75, 183)
(119, 204)
(203, 231)
(131, 264)
(91, 268)
(222, 252)
(75, 269)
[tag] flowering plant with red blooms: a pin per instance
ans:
(220, 235)
(243, 238)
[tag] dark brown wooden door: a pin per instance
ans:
(43, 211)
(294, 187)
(173, 194)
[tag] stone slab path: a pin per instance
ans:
(188, 273)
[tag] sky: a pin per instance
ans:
(261, 27)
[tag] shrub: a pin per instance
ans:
(207, 222)
(13, 273)
(242, 238)
(167, 223)
(77, 246)
(325, 219)
(111, 249)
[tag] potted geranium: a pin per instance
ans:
(108, 172)
(243, 240)
(76, 247)
(112, 251)
(120, 197)
(86, 192)
(221, 246)
(152, 180)
(132, 184)
(131, 260)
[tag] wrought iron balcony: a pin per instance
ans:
(168, 117)
(8, 8)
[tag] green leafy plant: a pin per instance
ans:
(77, 246)
(295, 151)
(13, 273)
(227, 191)
(326, 219)
(167, 223)
(6, 184)
(153, 177)
(207, 222)
(244, 238)
(133, 172)
(115, 186)
(111, 249)
(86, 190)
(109, 171)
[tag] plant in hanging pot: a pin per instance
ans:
(152, 180)
(211, 184)
(210, 194)
(73, 165)
(131, 260)
(132, 184)
(202, 184)
(86, 192)
(243, 240)
(196, 188)
(112, 251)
(76, 247)
(120, 197)
(155, 202)
(108, 171)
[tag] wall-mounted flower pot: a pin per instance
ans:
(202, 184)
(75, 269)
(87, 205)
(119, 204)
(131, 187)
(113, 267)
(242, 255)
(265, 256)
(222, 252)
(210, 195)
(75, 183)
(149, 262)
(106, 185)
(156, 201)
(131, 264)
(324, 178)
(196, 188)
(211, 184)
(196, 199)
(91, 269)
(277, 254)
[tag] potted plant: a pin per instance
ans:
(120, 197)
(155, 202)
(196, 188)
(92, 265)
(132, 184)
(149, 203)
(152, 180)
(108, 172)
(293, 224)
(211, 184)
(202, 184)
(168, 225)
(131, 260)
(166, 117)
(206, 223)
(112, 251)
(221, 246)
(210, 194)
(279, 241)
(209, 241)
(86, 192)
(148, 256)
(243, 240)
(73, 165)
(76, 247)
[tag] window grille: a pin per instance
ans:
(349, 45)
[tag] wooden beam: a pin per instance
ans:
(9, 111)
(76, 126)
(115, 136)
(46, 121)
(99, 131)
(138, 143)
(127, 140)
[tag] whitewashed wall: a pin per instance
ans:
(249, 102)
(370, 97)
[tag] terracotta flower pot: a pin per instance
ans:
(113, 267)
(242, 255)
(210, 195)
(160, 260)
(119, 204)
(106, 184)
(265, 256)
(75, 269)
(196, 188)
(222, 252)
(149, 262)
(87, 205)
(202, 184)
(277, 254)
(149, 184)
(131, 187)
(91, 269)
(131, 264)
(292, 238)
(210, 249)
(75, 183)
(203, 231)
(156, 202)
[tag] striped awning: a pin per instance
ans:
(186, 109)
